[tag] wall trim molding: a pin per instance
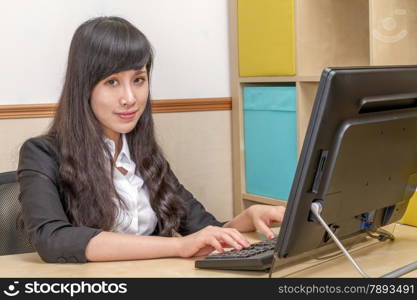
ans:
(192, 104)
(158, 106)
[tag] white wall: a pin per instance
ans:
(189, 37)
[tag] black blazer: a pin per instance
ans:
(43, 206)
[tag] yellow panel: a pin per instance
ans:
(410, 216)
(266, 37)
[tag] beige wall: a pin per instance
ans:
(13, 132)
(197, 145)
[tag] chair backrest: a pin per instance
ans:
(11, 241)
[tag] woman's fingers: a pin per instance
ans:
(212, 240)
(226, 237)
(237, 236)
(264, 229)
(230, 241)
(264, 215)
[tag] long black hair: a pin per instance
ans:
(100, 47)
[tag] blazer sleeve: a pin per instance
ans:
(196, 216)
(46, 222)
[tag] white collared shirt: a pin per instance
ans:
(138, 216)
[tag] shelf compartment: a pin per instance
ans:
(270, 139)
(331, 33)
(393, 32)
(266, 37)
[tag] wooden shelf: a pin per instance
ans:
(312, 78)
(267, 79)
(272, 79)
(263, 200)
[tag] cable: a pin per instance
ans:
(316, 210)
(380, 234)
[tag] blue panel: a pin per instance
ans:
(270, 140)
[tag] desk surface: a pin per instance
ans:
(376, 259)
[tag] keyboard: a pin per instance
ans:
(257, 257)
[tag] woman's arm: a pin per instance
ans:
(49, 230)
(43, 211)
(111, 246)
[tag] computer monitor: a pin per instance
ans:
(358, 156)
(357, 164)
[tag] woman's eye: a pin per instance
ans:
(112, 82)
(139, 80)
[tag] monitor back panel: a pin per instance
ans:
(358, 154)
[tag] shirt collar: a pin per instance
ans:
(124, 160)
(124, 155)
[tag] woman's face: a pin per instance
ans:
(119, 100)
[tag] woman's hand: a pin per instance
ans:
(263, 216)
(210, 238)
(258, 217)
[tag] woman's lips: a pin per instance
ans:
(127, 115)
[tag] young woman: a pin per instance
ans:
(96, 187)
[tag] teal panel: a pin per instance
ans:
(279, 98)
(270, 140)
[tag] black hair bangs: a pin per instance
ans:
(118, 46)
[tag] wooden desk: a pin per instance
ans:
(375, 259)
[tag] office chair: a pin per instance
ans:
(11, 241)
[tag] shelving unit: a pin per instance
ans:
(326, 33)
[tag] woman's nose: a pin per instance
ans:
(127, 98)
